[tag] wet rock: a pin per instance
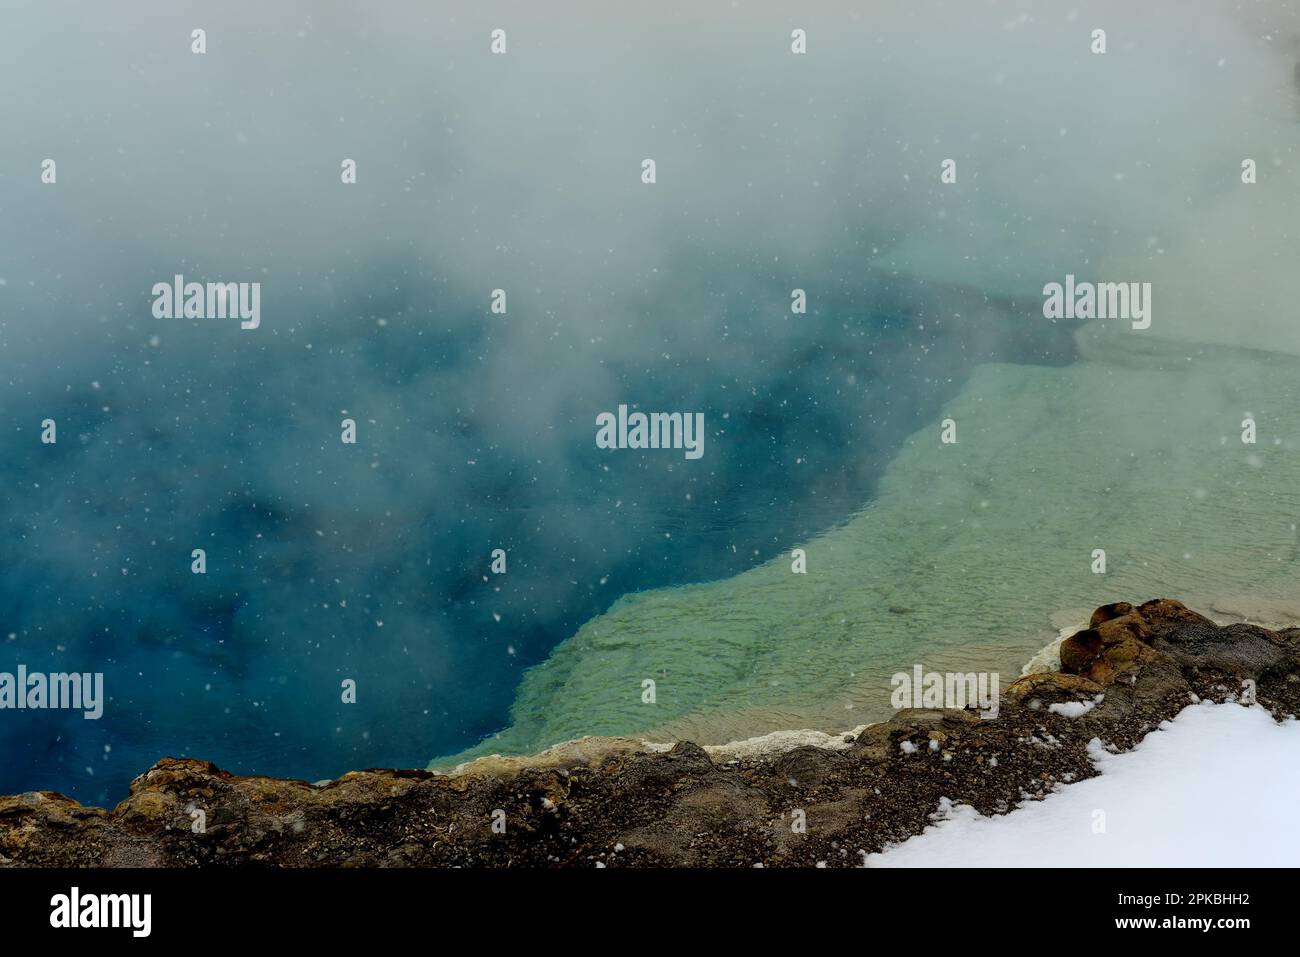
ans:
(807, 765)
(1120, 609)
(1117, 641)
(1245, 651)
(880, 741)
(1051, 687)
(1160, 613)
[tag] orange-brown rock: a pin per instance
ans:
(1051, 687)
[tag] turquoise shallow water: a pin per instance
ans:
(971, 556)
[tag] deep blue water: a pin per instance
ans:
(476, 431)
(371, 561)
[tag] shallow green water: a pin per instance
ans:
(967, 553)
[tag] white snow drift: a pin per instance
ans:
(1217, 786)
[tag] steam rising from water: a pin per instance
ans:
(521, 172)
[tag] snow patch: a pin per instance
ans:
(1215, 787)
(1073, 709)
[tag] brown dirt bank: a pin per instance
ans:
(606, 801)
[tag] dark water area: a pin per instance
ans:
(476, 431)
(372, 562)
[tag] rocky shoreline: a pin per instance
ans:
(619, 803)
